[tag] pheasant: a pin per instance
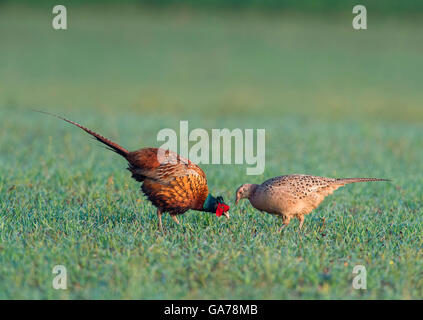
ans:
(172, 183)
(293, 195)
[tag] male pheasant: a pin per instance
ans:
(292, 195)
(173, 184)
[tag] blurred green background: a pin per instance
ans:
(334, 102)
(177, 59)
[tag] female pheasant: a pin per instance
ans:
(173, 184)
(292, 195)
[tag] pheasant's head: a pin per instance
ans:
(216, 205)
(244, 191)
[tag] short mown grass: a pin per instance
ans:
(334, 102)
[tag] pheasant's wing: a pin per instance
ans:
(160, 165)
(301, 185)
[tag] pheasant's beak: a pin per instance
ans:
(226, 214)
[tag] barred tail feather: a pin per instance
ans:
(110, 144)
(352, 180)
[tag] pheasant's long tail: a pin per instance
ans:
(111, 145)
(352, 180)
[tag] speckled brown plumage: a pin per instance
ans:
(292, 195)
(173, 184)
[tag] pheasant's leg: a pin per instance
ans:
(175, 218)
(283, 227)
(285, 221)
(301, 218)
(159, 215)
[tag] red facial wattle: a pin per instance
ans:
(221, 208)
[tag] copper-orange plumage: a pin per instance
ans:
(173, 184)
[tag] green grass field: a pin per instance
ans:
(334, 102)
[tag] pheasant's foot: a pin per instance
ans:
(283, 227)
(159, 215)
(175, 218)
